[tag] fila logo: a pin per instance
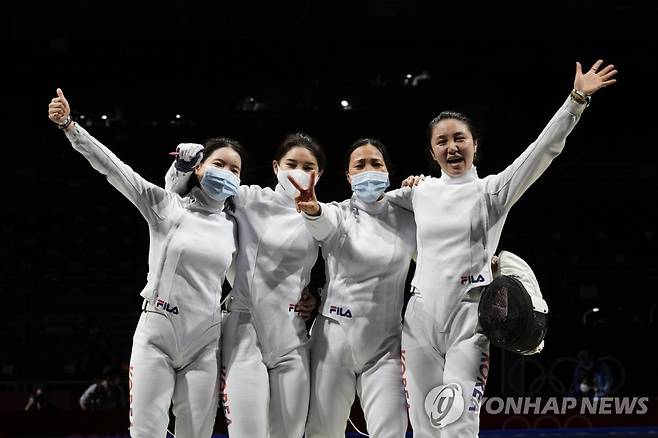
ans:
(166, 306)
(292, 308)
(339, 311)
(471, 279)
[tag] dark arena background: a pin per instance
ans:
(144, 77)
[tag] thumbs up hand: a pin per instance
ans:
(59, 109)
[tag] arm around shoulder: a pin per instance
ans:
(402, 197)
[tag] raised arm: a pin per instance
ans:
(188, 156)
(510, 184)
(146, 196)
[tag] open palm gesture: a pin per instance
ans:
(595, 78)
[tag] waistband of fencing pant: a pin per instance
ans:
(150, 308)
(472, 294)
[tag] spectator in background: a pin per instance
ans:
(97, 351)
(592, 376)
(105, 394)
(38, 400)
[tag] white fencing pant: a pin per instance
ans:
(161, 374)
(432, 359)
(261, 400)
(336, 377)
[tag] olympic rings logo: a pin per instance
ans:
(557, 375)
(545, 422)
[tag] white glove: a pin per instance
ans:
(189, 156)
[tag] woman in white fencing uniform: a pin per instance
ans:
(265, 370)
(175, 349)
(367, 244)
(459, 219)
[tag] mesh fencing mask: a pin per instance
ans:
(512, 312)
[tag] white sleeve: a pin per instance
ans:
(401, 197)
(147, 197)
(176, 181)
(511, 183)
(326, 224)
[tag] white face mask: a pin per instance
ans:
(298, 175)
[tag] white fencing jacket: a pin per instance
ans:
(367, 250)
(192, 242)
(277, 254)
(274, 264)
(460, 219)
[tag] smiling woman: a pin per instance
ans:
(459, 219)
(453, 142)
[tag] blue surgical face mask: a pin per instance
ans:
(369, 186)
(219, 184)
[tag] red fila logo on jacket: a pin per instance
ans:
(166, 306)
